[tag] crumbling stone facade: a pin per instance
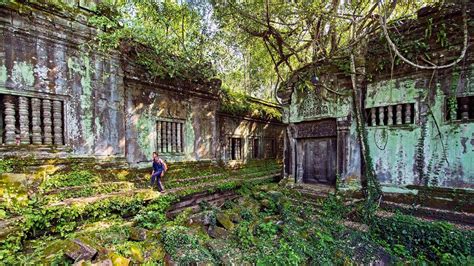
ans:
(419, 123)
(61, 98)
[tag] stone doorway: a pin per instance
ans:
(316, 153)
(319, 161)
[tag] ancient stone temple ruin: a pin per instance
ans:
(418, 122)
(60, 98)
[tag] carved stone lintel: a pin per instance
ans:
(23, 112)
(47, 122)
(408, 113)
(9, 104)
(390, 115)
(36, 121)
(381, 116)
(399, 114)
(58, 122)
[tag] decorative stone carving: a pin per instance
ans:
(24, 120)
(36, 121)
(9, 104)
(47, 122)
(373, 116)
(408, 113)
(58, 122)
(390, 115)
(399, 114)
(381, 116)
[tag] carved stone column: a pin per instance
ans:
(408, 113)
(36, 121)
(58, 122)
(381, 116)
(9, 104)
(390, 115)
(23, 112)
(47, 123)
(399, 114)
(373, 116)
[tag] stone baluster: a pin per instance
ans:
(158, 136)
(36, 121)
(173, 137)
(58, 122)
(381, 116)
(23, 106)
(47, 122)
(373, 116)
(464, 102)
(178, 137)
(9, 104)
(164, 136)
(408, 113)
(168, 136)
(399, 114)
(390, 115)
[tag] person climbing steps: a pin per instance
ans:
(159, 169)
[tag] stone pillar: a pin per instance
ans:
(9, 104)
(36, 121)
(381, 116)
(390, 115)
(373, 116)
(23, 106)
(399, 114)
(47, 123)
(158, 136)
(178, 138)
(408, 113)
(58, 122)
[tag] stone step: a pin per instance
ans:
(463, 218)
(150, 194)
(126, 185)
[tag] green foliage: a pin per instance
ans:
(6, 165)
(183, 246)
(154, 215)
(237, 103)
(412, 238)
(74, 178)
(169, 37)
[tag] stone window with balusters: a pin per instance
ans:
(26, 120)
(391, 115)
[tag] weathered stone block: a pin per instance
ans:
(78, 250)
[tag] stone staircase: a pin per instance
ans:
(131, 184)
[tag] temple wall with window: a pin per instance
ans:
(244, 138)
(59, 98)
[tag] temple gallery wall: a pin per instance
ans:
(59, 99)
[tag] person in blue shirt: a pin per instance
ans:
(159, 169)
